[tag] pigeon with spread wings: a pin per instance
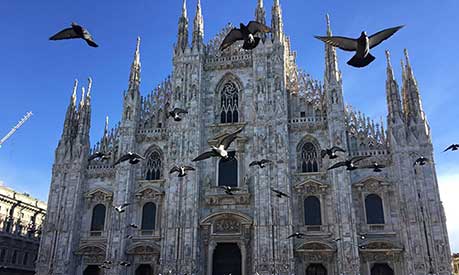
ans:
(350, 163)
(245, 33)
(133, 158)
(76, 31)
(181, 170)
(100, 156)
(421, 161)
(221, 149)
(331, 152)
(175, 114)
(361, 45)
(375, 166)
(279, 194)
(453, 147)
(229, 189)
(260, 163)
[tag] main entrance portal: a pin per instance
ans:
(381, 269)
(92, 270)
(144, 269)
(227, 259)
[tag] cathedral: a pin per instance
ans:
(354, 222)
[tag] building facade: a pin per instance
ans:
(21, 218)
(358, 222)
(456, 264)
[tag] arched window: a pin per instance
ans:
(227, 172)
(316, 269)
(98, 218)
(374, 209)
(309, 160)
(149, 216)
(153, 166)
(312, 213)
(229, 104)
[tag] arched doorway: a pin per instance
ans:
(144, 269)
(227, 259)
(92, 270)
(381, 269)
(316, 269)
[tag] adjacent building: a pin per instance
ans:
(21, 218)
(355, 222)
(456, 264)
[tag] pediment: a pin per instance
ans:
(91, 249)
(314, 246)
(99, 194)
(226, 216)
(142, 248)
(311, 186)
(149, 192)
(380, 246)
(372, 184)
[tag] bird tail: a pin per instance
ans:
(359, 62)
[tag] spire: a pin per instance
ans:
(134, 77)
(260, 14)
(277, 24)
(88, 94)
(82, 99)
(182, 37)
(332, 73)
(106, 126)
(198, 28)
(394, 104)
(71, 111)
(410, 91)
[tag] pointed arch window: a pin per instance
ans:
(229, 103)
(312, 213)
(98, 218)
(149, 217)
(153, 166)
(374, 209)
(227, 172)
(309, 158)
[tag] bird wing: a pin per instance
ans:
(137, 156)
(189, 168)
(255, 27)
(180, 111)
(233, 36)
(358, 158)
(291, 236)
(122, 159)
(88, 37)
(226, 141)
(379, 37)
(337, 149)
(125, 204)
(253, 163)
(68, 33)
(174, 169)
(205, 155)
(323, 153)
(449, 148)
(94, 156)
(336, 165)
(344, 43)
(263, 161)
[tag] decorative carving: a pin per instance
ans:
(226, 226)
(99, 195)
(149, 193)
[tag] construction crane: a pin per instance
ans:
(15, 128)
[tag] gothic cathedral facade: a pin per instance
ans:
(357, 222)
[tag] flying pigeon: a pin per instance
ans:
(132, 157)
(181, 170)
(261, 163)
(361, 45)
(350, 163)
(129, 237)
(245, 33)
(121, 208)
(279, 194)
(221, 149)
(453, 147)
(331, 152)
(100, 155)
(375, 166)
(421, 161)
(297, 235)
(175, 114)
(133, 225)
(76, 31)
(125, 264)
(229, 190)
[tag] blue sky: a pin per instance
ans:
(37, 75)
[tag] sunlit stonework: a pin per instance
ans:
(358, 222)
